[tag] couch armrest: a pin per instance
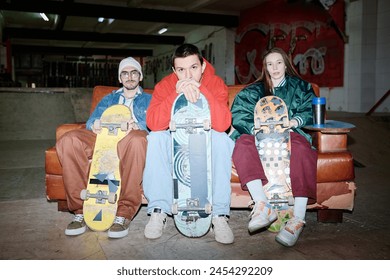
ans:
(62, 129)
(331, 137)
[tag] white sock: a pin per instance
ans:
(300, 204)
(256, 190)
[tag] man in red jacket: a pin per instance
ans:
(192, 75)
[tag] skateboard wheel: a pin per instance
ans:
(290, 200)
(124, 126)
(286, 122)
(206, 124)
(84, 194)
(208, 208)
(172, 126)
(257, 123)
(175, 208)
(97, 124)
(112, 197)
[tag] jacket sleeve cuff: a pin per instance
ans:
(299, 120)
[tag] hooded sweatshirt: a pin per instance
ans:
(212, 87)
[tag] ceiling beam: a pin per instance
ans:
(44, 34)
(23, 49)
(123, 13)
(61, 18)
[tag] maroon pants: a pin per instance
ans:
(303, 165)
(75, 149)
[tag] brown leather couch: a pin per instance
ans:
(335, 169)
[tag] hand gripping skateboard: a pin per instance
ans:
(273, 144)
(191, 150)
(104, 182)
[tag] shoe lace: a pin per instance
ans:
(256, 209)
(221, 223)
(158, 217)
(294, 224)
(119, 220)
(78, 218)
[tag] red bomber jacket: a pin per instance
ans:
(213, 88)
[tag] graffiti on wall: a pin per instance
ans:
(304, 31)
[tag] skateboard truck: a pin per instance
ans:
(192, 204)
(101, 196)
(112, 127)
(284, 122)
(190, 125)
(276, 200)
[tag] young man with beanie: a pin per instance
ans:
(75, 150)
(192, 75)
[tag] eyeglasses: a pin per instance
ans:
(133, 74)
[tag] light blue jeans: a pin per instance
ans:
(158, 182)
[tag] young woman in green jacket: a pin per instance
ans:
(278, 78)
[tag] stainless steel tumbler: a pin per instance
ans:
(319, 107)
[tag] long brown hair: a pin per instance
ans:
(266, 78)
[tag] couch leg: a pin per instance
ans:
(62, 206)
(329, 216)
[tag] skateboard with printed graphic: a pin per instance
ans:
(190, 128)
(272, 135)
(104, 181)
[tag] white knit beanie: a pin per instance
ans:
(129, 62)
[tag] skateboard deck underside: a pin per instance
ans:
(104, 176)
(273, 145)
(191, 150)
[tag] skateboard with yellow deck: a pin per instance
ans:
(104, 180)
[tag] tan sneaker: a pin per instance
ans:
(77, 226)
(156, 224)
(120, 228)
(290, 232)
(223, 233)
(261, 216)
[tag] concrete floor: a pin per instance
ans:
(33, 229)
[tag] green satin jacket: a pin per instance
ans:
(297, 94)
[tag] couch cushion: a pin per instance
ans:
(52, 163)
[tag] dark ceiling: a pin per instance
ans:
(129, 27)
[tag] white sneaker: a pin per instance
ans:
(77, 226)
(223, 233)
(290, 232)
(156, 224)
(261, 216)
